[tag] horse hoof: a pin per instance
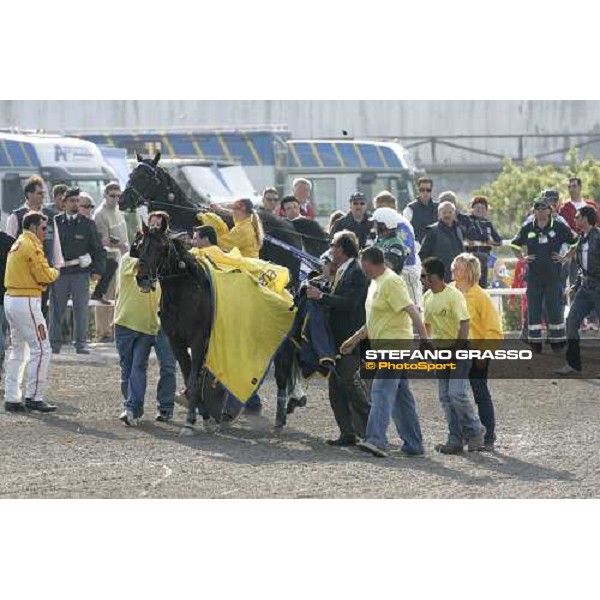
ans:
(210, 426)
(186, 431)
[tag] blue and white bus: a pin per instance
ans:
(336, 167)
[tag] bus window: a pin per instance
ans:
(324, 196)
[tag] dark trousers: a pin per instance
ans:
(104, 281)
(483, 259)
(549, 295)
(586, 300)
(478, 378)
(77, 287)
(348, 398)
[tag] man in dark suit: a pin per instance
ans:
(84, 258)
(346, 304)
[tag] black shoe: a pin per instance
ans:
(14, 407)
(39, 405)
(449, 449)
(343, 441)
(295, 403)
(82, 351)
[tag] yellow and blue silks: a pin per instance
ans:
(252, 317)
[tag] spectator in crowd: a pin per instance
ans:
(484, 328)
(575, 202)
(84, 257)
(335, 216)
(422, 212)
(86, 206)
(27, 274)
(301, 190)
(290, 209)
(444, 239)
(480, 235)
(447, 322)
(35, 191)
(346, 304)
(543, 238)
(112, 228)
(6, 243)
(357, 220)
(246, 233)
(270, 200)
(58, 194)
(390, 315)
(587, 286)
(448, 196)
(411, 272)
(386, 223)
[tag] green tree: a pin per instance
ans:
(515, 188)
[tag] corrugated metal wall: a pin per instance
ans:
(315, 118)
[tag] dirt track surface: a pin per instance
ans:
(548, 446)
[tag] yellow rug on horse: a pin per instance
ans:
(250, 323)
(275, 277)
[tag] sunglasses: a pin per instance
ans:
(86, 206)
(114, 195)
(541, 207)
(359, 202)
(425, 189)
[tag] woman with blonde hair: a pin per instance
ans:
(484, 324)
(246, 234)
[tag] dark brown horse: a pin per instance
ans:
(186, 310)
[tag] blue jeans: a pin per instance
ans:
(461, 416)
(392, 398)
(134, 350)
(167, 383)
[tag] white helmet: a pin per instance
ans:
(387, 216)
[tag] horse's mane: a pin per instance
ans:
(183, 255)
(166, 179)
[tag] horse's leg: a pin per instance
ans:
(193, 385)
(182, 356)
(282, 369)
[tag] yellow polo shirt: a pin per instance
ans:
(135, 309)
(385, 306)
(444, 311)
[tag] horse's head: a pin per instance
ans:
(157, 257)
(147, 181)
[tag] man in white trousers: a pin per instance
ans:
(28, 274)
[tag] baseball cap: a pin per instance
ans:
(550, 195)
(358, 196)
(541, 203)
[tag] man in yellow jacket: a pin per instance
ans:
(28, 274)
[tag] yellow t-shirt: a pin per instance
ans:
(484, 320)
(134, 309)
(387, 318)
(444, 311)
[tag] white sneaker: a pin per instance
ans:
(128, 418)
(566, 370)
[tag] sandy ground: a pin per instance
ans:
(548, 446)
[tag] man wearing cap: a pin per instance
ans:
(422, 211)
(543, 237)
(356, 220)
(386, 223)
(84, 256)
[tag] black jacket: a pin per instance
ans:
(591, 276)
(423, 215)
(6, 242)
(78, 238)
(347, 303)
(361, 230)
(444, 243)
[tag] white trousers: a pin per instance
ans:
(412, 278)
(28, 340)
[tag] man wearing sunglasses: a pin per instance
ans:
(357, 220)
(423, 211)
(28, 274)
(543, 237)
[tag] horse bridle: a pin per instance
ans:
(159, 274)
